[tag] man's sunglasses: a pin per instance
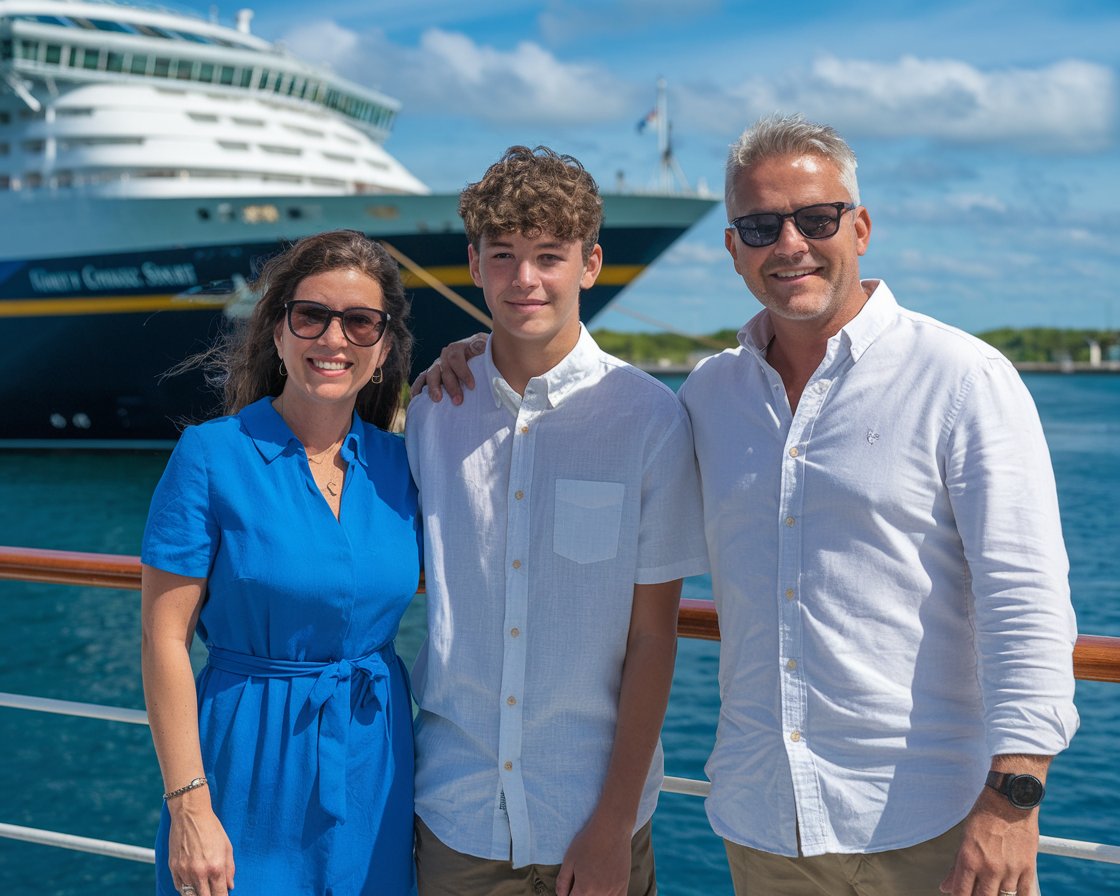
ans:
(815, 222)
(361, 326)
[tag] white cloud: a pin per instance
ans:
(449, 74)
(322, 41)
(525, 84)
(1067, 105)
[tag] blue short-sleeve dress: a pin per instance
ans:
(304, 709)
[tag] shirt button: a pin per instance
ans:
(789, 520)
(789, 594)
(795, 736)
(793, 452)
(517, 564)
(519, 494)
(508, 766)
(511, 700)
(524, 428)
(514, 632)
(791, 664)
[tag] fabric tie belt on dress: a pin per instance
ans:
(329, 700)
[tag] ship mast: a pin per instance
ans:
(671, 175)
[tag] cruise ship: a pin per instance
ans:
(147, 154)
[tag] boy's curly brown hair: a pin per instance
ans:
(534, 191)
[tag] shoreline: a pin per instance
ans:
(1021, 366)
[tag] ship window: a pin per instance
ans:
(185, 70)
(32, 146)
(256, 214)
(193, 38)
(249, 122)
(335, 157)
(106, 25)
(139, 64)
(73, 111)
(235, 145)
(206, 72)
(50, 20)
(115, 62)
(4, 149)
(247, 77)
(226, 76)
(92, 59)
(54, 54)
(306, 132)
(202, 117)
(281, 150)
(162, 67)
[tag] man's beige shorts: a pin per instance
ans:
(441, 871)
(915, 871)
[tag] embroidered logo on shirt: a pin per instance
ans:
(872, 437)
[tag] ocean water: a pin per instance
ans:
(100, 779)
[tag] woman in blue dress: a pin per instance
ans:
(285, 535)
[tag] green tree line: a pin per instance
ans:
(1019, 345)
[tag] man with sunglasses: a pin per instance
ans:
(887, 563)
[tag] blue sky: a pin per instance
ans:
(986, 131)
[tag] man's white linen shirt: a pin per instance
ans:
(540, 515)
(891, 582)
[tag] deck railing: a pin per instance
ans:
(1095, 658)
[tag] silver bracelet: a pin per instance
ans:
(194, 785)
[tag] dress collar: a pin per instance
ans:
(273, 437)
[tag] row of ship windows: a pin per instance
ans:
(98, 59)
(198, 117)
(66, 144)
(122, 27)
(35, 179)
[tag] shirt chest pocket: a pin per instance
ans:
(587, 520)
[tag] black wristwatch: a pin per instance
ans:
(1022, 791)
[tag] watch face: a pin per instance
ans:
(1024, 791)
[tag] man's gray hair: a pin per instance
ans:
(790, 135)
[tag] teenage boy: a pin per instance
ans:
(561, 511)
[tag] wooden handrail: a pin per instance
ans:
(1095, 657)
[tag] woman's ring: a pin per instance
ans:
(188, 890)
(1008, 893)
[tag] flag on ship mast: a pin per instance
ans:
(647, 120)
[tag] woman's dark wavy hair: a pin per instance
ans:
(244, 364)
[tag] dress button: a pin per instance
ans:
(524, 429)
(789, 594)
(789, 520)
(508, 766)
(791, 665)
(514, 632)
(516, 564)
(519, 494)
(795, 736)
(511, 700)
(793, 452)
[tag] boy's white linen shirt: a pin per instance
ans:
(891, 581)
(541, 513)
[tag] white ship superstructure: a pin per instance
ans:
(124, 100)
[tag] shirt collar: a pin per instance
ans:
(273, 437)
(555, 385)
(857, 334)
